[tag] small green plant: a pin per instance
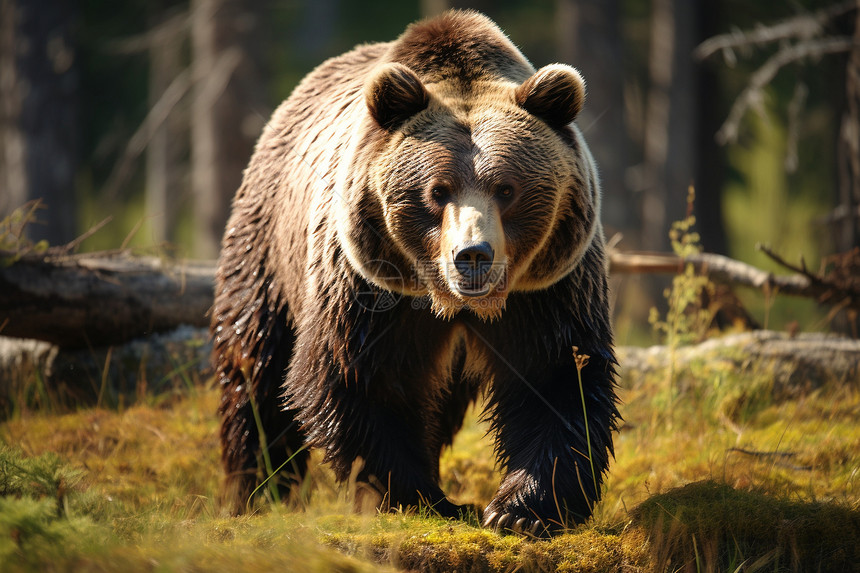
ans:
(687, 318)
(264, 450)
(13, 241)
(43, 476)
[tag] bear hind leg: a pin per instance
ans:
(252, 414)
(282, 464)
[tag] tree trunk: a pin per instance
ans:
(796, 365)
(38, 91)
(164, 151)
(227, 114)
(710, 161)
(118, 374)
(670, 121)
(589, 38)
(36, 374)
(848, 212)
(106, 298)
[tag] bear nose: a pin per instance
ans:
(473, 259)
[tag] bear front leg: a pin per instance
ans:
(553, 445)
(369, 412)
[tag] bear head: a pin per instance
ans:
(467, 186)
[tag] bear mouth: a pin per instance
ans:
(470, 291)
(476, 283)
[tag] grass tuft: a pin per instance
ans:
(712, 526)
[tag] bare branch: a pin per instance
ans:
(157, 115)
(752, 94)
(213, 85)
(783, 263)
(170, 30)
(802, 27)
(722, 269)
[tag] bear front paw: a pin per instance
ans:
(511, 521)
(528, 505)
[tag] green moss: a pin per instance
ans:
(141, 491)
(715, 524)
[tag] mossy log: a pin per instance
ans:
(34, 372)
(796, 364)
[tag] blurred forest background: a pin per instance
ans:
(144, 113)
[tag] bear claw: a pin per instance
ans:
(518, 525)
(510, 523)
(490, 519)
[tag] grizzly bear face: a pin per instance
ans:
(479, 191)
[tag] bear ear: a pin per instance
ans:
(394, 94)
(555, 93)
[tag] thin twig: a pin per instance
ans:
(800, 27)
(73, 245)
(802, 270)
(157, 115)
(752, 94)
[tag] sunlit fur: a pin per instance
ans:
(337, 322)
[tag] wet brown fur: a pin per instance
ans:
(333, 318)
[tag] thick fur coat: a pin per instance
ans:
(418, 225)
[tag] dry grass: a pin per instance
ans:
(712, 474)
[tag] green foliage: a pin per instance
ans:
(13, 242)
(39, 499)
(33, 536)
(39, 477)
(686, 320)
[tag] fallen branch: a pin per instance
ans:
(776, 458)
(718, 268)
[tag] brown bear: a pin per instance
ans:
(419, 226)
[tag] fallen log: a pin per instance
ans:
(36, 374)
(793, 364)
(101, 299)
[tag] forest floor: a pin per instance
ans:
(713, 472)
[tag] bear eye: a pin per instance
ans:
(439, 194)
(505, 192)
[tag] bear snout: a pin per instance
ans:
(473, 261)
